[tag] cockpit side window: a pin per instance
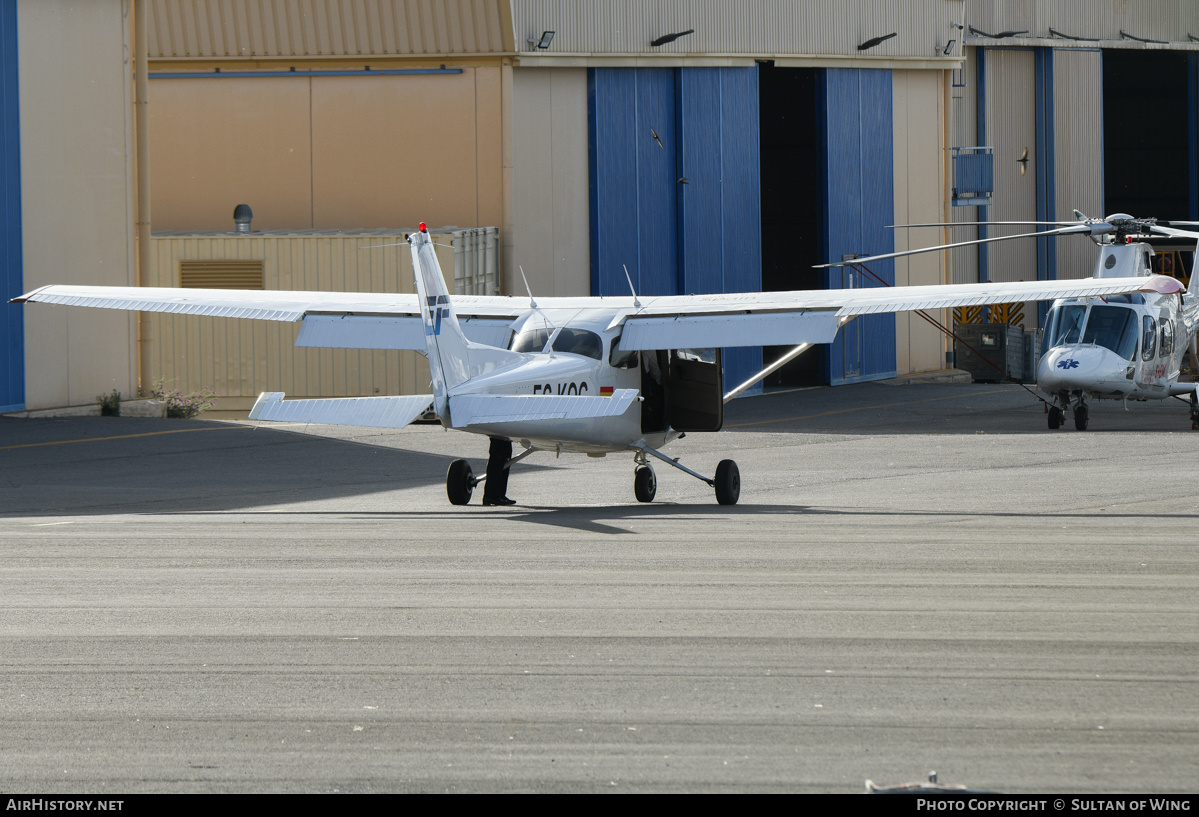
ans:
(1167, 344)
(530, 340)
(1149, 338)
(621, 360)
(579, 342)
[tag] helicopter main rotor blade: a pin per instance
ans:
(982, 223)
(1077, 228)
(1174, 233)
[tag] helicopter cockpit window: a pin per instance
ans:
(579, 342)
(1063, 325)
(1112, 327)
(1149, 338)
(530, 340)
(621, 360)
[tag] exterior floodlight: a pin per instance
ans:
(547, 37)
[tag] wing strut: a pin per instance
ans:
(782, 361)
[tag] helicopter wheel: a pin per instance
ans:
(459, 482)
(728, 483)
(645, 484)
(1055, 417)
(1081, 418)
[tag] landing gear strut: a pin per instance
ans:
(727, 481)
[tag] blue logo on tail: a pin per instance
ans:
(433, 327)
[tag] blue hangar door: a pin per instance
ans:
(12, 346)
(853, 110)
(674, 176)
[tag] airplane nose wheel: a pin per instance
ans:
(459, 482)
(1056, 415)
(1081, 417)
(645, 484)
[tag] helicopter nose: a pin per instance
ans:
(1068, 368)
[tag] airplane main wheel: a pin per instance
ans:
(728, 483)
(459, 482)
(645, 484)
(1055, 417)
(1082, 418)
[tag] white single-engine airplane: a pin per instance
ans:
(1113, 347)
(588, 375)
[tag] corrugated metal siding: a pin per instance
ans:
(238, 359)
(12, 332)
(1011, 129)
(1168, 20)
(700, 236)
(215, 29)
(761, 28)
(1078, 153)
(858, 132)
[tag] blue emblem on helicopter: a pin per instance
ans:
(1067, 364)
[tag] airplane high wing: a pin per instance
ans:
(368, 320)
(576, 374)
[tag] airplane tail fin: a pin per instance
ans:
(453, 359)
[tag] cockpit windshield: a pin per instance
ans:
(569, 341)
(1106, 325)
(1063, 325)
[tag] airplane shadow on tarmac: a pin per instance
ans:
(94, 465)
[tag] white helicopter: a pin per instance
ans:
(581, 375)
(1112, 347)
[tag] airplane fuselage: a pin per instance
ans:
(581, 359)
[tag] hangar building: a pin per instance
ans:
(705, 146)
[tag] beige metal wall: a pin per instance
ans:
(919, 122)
(328, 152)
(1011, 129)
(77, 194)
(238, 359)
(963, 132)
(1078, 151)
(551, 204)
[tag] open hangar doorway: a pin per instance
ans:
(1147, 134)
(792, 163)
(827, 190)
(1149, 143)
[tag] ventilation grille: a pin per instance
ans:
(220, 274)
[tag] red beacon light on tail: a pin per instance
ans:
(423, 228)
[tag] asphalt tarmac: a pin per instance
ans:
(917, 578)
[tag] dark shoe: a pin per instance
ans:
(501, 501)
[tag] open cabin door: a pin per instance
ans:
(695, 390)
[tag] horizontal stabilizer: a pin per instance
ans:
(373, 412)
(484, 409)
